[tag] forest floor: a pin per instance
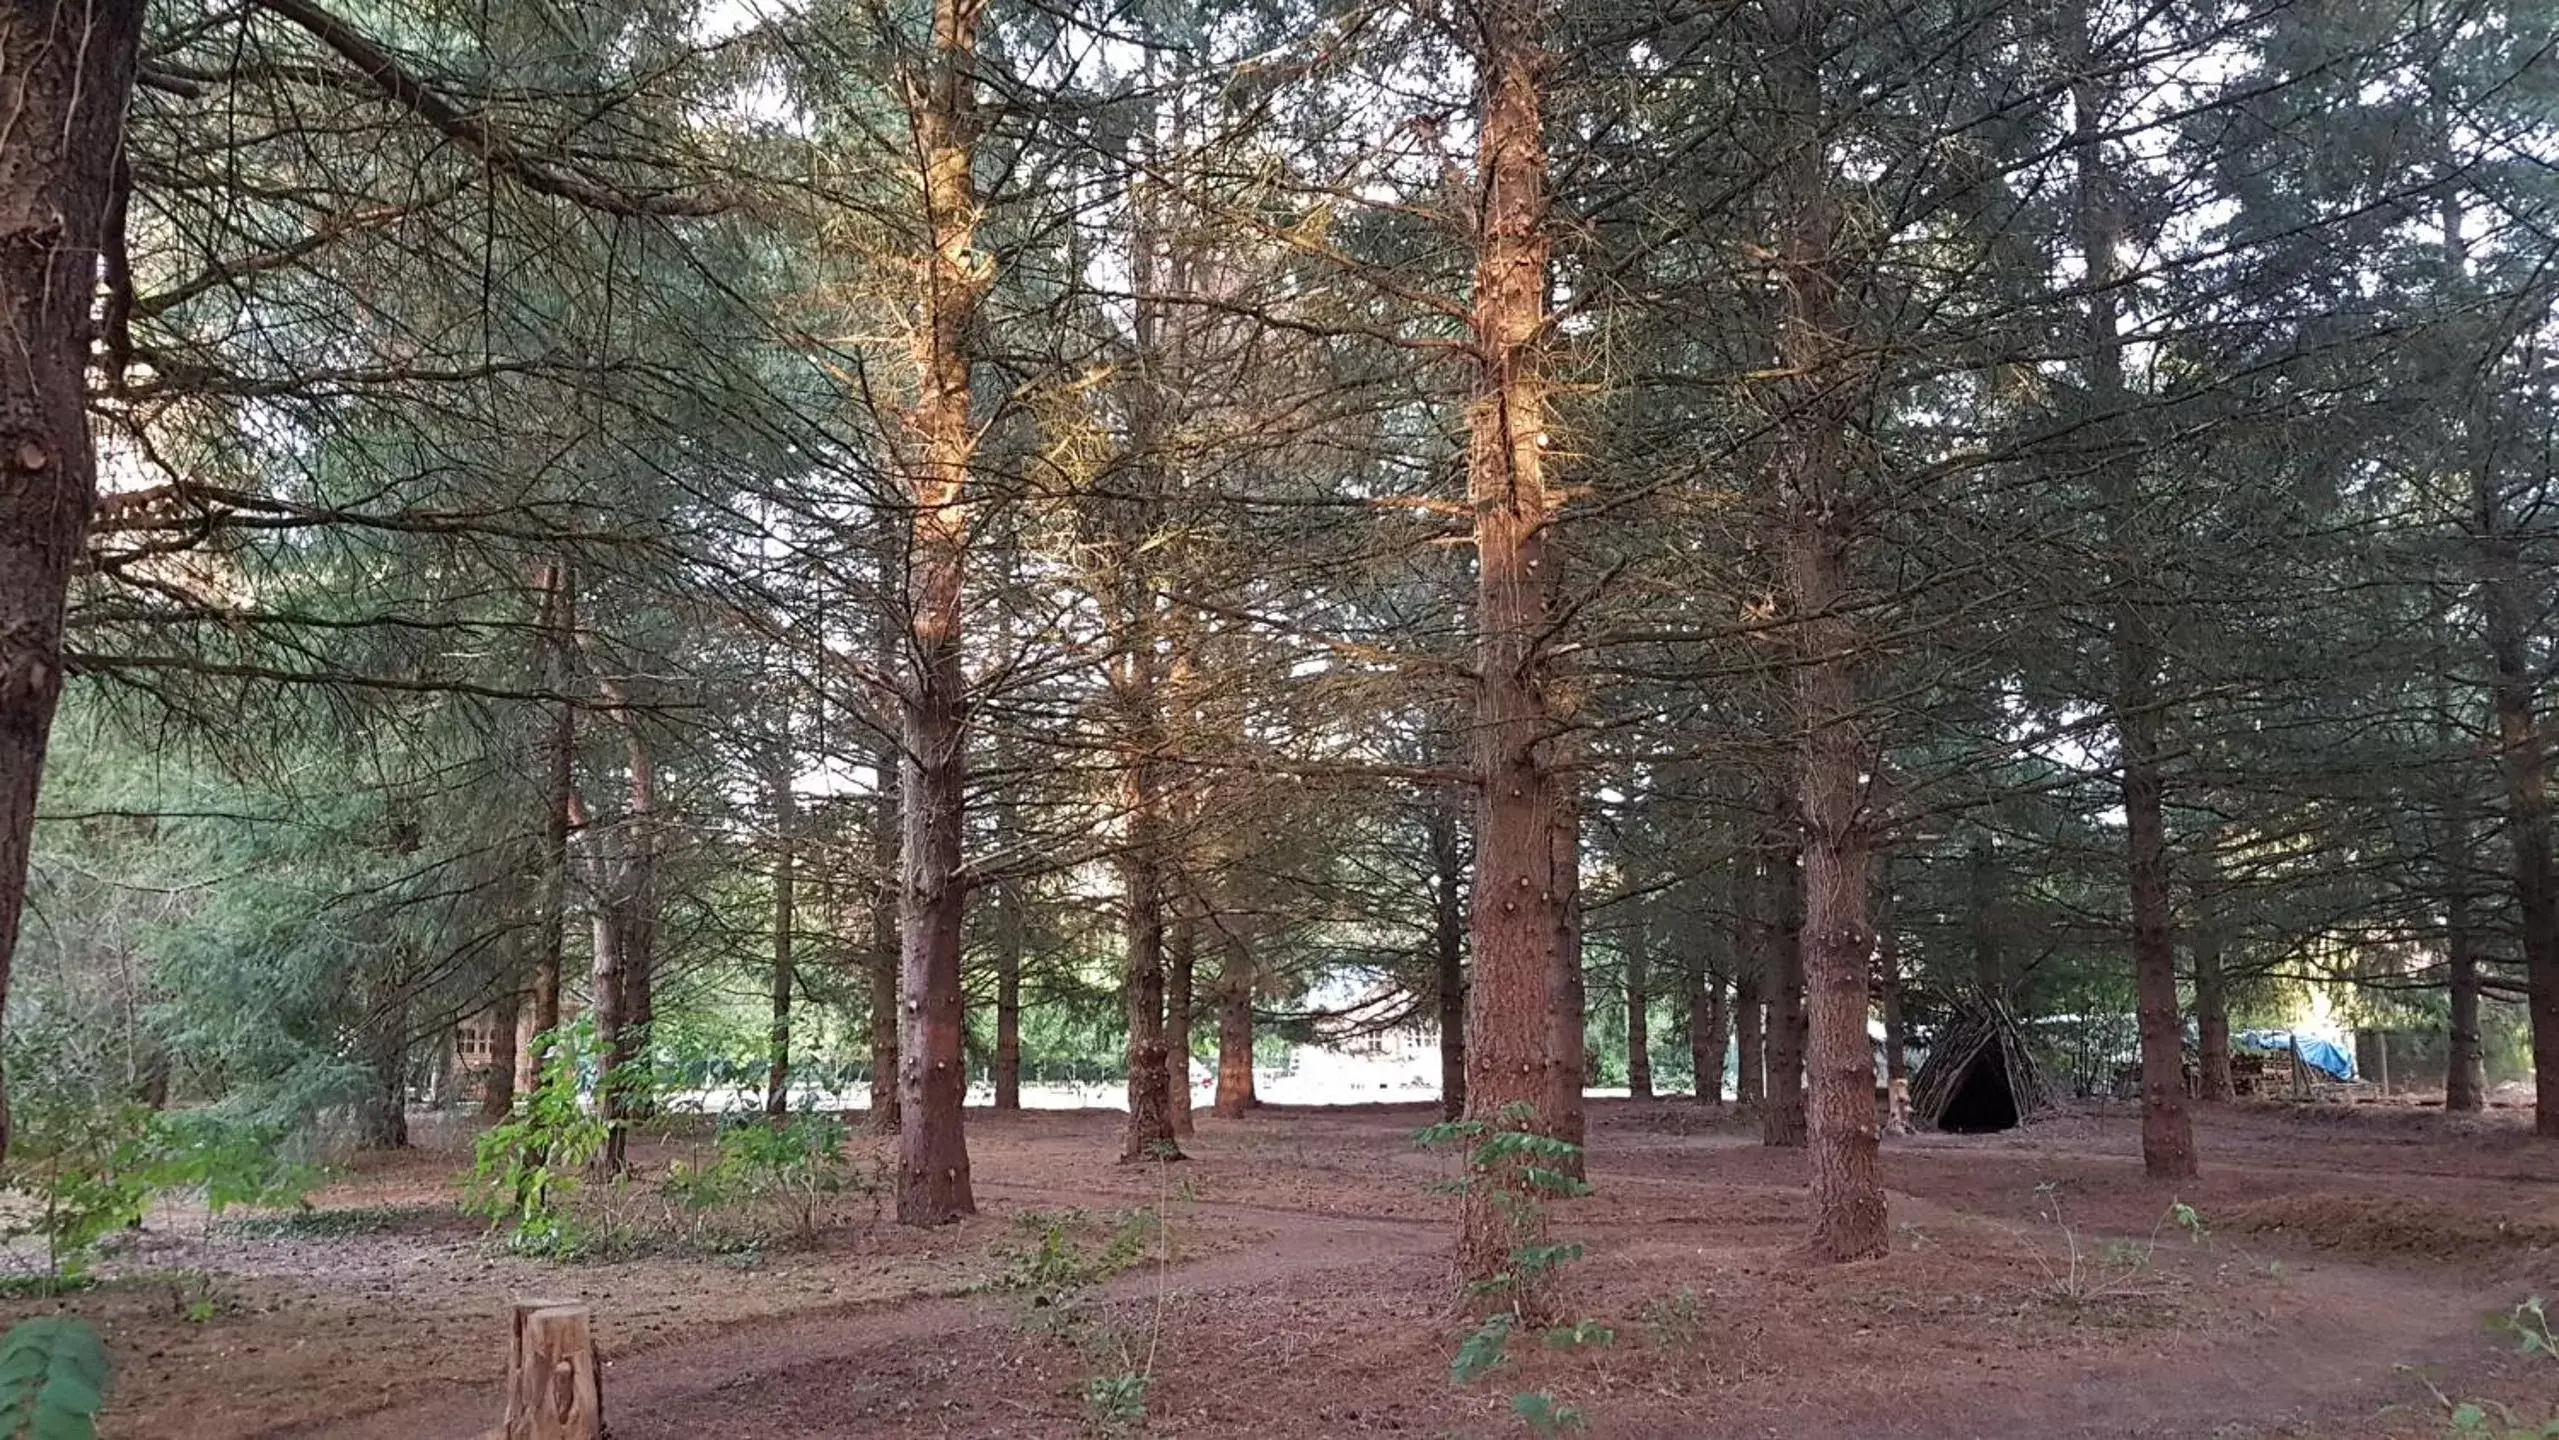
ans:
(1291, 1280)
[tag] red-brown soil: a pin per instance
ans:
(2350, 1261)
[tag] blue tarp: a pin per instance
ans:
(2324, 1056)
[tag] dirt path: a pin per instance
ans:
(1331, 1317)
(713, 1386)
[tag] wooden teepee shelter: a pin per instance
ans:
(1979, 1075)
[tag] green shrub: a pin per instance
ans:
(525, 1171)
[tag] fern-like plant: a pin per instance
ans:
(53, 1380)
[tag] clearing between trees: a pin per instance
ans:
(2338, 1276)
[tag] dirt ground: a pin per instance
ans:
(2349, 1264)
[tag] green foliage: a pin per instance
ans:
(1053, 1254)
(1547, 1417)
(2492, 1421)
(1581, 1335)
(1484, 1349)
(794, 1169)
(525, 1171)
(1114, 1404)
(2530, 1322)
(1521, 1172)
(85, 1172)
(53, 1380)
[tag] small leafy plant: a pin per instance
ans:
(794, 1170)
(1521, 1173)
(84, 1172)
(53, 1380)
(525, 1171)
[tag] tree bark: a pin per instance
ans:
(2212, 1010)
(1008, 999)
(880, 968)
(1708, 1021)
(1568, 1019)
(1782, 1123)
(1816, 486)
(2523, 756)
(1448, 944)
(2465, 1082)
(497, 1089)
(1235, 987)
(2167, 1129)
(1510, 1022)
(558, 624)
(1639, 1059)
(1750, 1085)
(68, 72)
(1181, 959)
(933, 1165)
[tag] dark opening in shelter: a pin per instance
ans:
(1981, 1102)
(1979, 1075)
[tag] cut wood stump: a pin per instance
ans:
(554, 1388)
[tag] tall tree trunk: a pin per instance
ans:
(2212, 1009)
(382, 1114)
(1235, 986)
(1568, 1034)
(1708, 1021)
(933, 1163)
(1009, 944)
(2465, 1081)
(1510, 1029)
(1782, 1123)
(1639, 1058)
(1750, 1085)
(881, 964)
(558, 623)
(1448, 944)
(777, 1079)
(1888, 995)
(2167, 1129)
(68, 72)
(1181, 959)
(1816, 485)
(497, 1087)
(2523, 756)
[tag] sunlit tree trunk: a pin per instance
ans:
(1510, 1029)
(67, 69)
(933, 1163)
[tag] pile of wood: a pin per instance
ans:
(1981, 1033)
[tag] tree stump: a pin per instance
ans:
(554, 1388)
